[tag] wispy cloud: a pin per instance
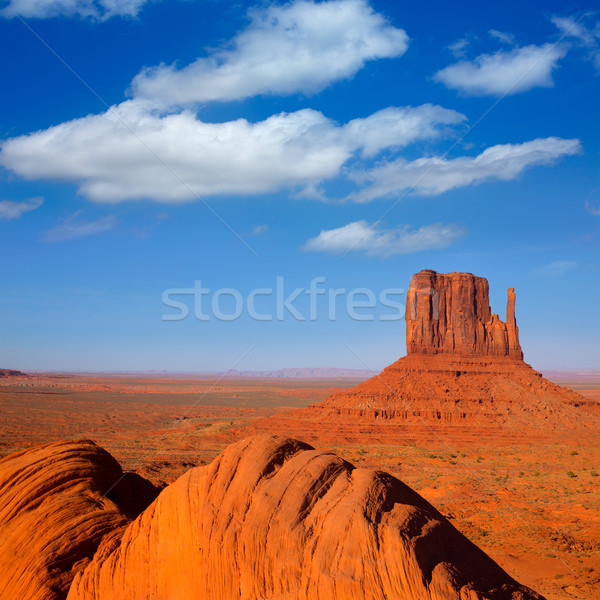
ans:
(74, 227)
(502, 36)
(557, 268)
(428, 176)
(459, 47)
(594, 210)
(377, 241)
(143, 231)
(260, 229)
(300, 46)
(85, 9)
(512, 71)
(10, 210)
(585, 34)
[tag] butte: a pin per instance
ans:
(462, 381)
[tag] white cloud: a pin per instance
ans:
(502, 36)
(587, 37)
(112, 162)
(397, 127)
(302, 46)
(74, 227)
(556, 268)
(576, 29)
(86, 9)
(10, 210)
(375, 241)
(511, 71)
(459, 47)
(428, 176)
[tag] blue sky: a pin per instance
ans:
(146, 146)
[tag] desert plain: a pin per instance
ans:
(533, 506)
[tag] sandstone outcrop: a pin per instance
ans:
(463, 379)
(450, 314)
(274, 518)
(54, 514)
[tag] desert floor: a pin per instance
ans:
(534, 508)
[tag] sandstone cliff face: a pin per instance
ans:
(450, 314)
(274, 518)
(53, 515)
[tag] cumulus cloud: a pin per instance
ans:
(74, 227)
(376, 241)
(556, 268)
(511, 71)
(397, 127)
(10, 210)
(86, 9)
(177, 157)
(428, 176)
(301, 46)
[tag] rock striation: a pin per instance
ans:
(274, 518)
(450, 314)
(54, 515)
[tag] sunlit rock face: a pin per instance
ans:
(274, 518)
(60, 503)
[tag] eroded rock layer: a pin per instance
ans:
(274, 518)
(442, 399)
(54, 515)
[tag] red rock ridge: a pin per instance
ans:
(274, 518)
(450, 314)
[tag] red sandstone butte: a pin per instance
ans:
(274, 518)
(450, 314)
(463, 379)
(55, 513)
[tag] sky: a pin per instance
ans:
(201, 185)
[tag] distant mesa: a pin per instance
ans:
(463, 378)
(6, 373)
(305, 373)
